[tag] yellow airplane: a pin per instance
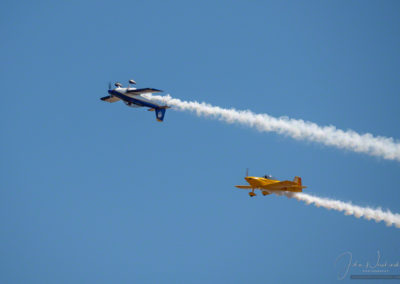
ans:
(266, 184)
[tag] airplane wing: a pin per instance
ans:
(110, 99)
(284, 185)
(143, 91)
(243, 186)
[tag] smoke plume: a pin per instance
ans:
(299, 129)
(368, 213)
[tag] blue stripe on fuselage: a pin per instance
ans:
(132, 100)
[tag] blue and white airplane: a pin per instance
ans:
(133, 97)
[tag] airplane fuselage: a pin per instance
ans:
(133, 97)
(259, 182)
(133, 100)
(264, 183)
(267, 185)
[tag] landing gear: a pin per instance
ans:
(251, 193)
(265, 193)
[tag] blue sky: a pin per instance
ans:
(101, 193)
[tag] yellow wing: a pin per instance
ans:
(243, 186)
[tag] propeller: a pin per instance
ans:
(109, 85)
(247, 172)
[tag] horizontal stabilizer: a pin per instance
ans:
(161, 107)
(110, 99)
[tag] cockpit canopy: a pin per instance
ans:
(268, 176)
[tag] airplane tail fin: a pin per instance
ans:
(297, 180)
(160, 113)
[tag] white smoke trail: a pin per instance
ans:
(349, 209)
(379, 146)
(366, 143)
